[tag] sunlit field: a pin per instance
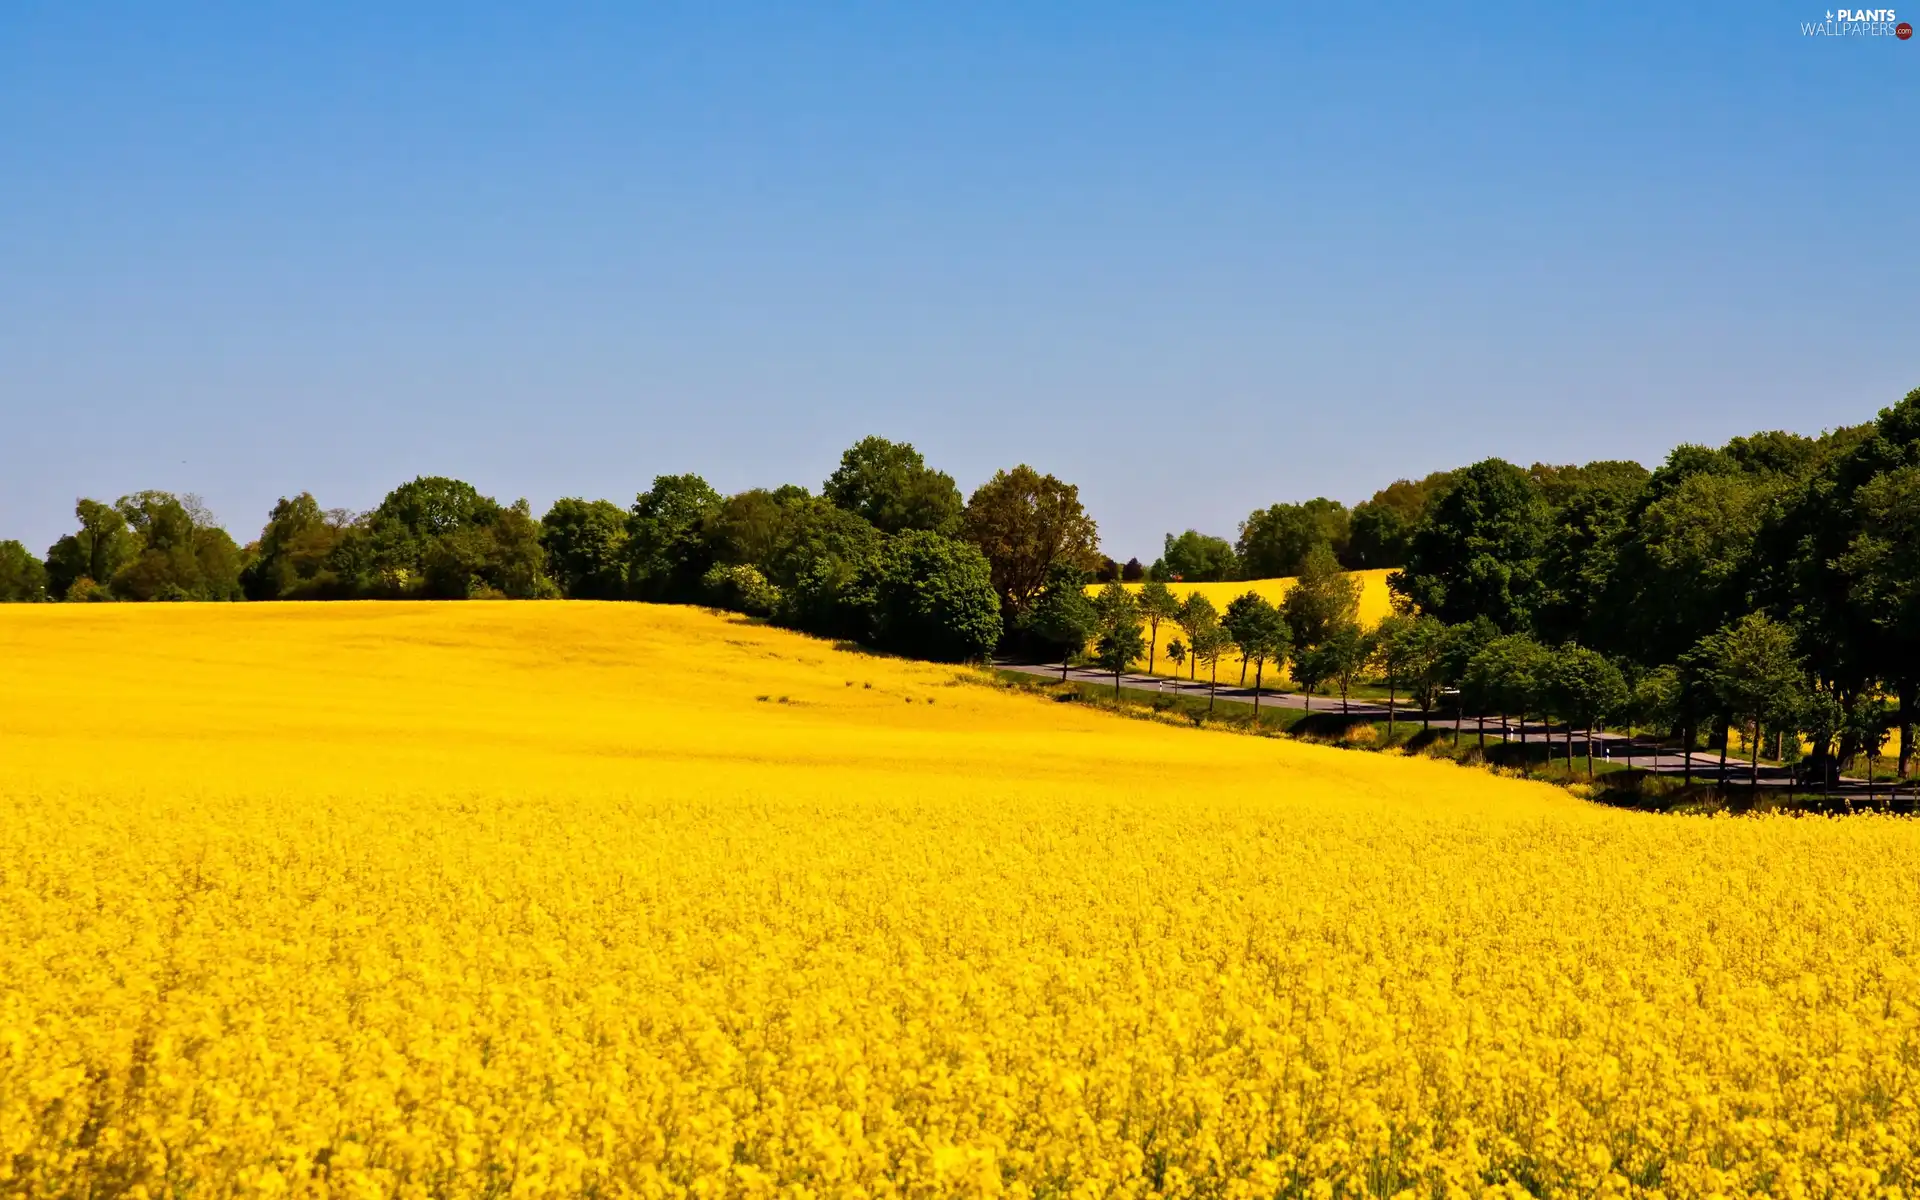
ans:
(576, 899)
(1375, 602)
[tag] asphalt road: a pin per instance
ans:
(1610, 747)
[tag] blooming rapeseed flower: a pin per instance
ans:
(539, 899)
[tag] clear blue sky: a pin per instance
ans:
(1195, 258)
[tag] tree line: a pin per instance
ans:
(888, 553)
(1771, 584)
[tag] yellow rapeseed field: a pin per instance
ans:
(609, 900)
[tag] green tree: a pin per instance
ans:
(1063, 617)
(1276, 541)
(1121, 638)
(1157, 604)
(293, 559)
(1390, 659)
(1590, 510)
(1381, 531)
(930, 597)
(95, 552)
(1347, 648)
(1685, 561)
(1196, 613)
(23, 578)
(586, 545)
(741, 588)
(1176, 654)
(1422, 655)
(1882, 565)
(1478, 551)
(891, 486)
(1507, 676)
(1822, 721)
(1209, 641)
(1867, 727)
(1458, 645)
(1312, 667)
(1025, 522)
(667, 554)
(1756, 677)
(1259, 632)
(1322, 599)
(1587, 688)
(1195, 557)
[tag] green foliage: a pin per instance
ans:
(1322, 599)
(892, 488)
(1507, 675)
(294, 557)
(1157, 604)
(741, 588)
(1259, 632)
(146, 546)
(784, 532)
(586, 545)
(1025, 522)
(1345, 652)
(1313, 667)
(930, 597)
(1381, 530)
(1753, 670)
(1122, 635)
(667, 551)
(1063, 618)
(1584, 687)
(1276, 541)
(23, 578)
(1655, 700)
(1591, 508)
(96, 552)
(1478, 551)
(1195, 557)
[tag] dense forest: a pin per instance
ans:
(1771, 583)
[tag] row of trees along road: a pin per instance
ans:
(1771, 584)
(888, 553)
(1769, 587)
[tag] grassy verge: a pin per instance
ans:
(1608, 782)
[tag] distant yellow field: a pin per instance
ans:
(1375, 602)
(571, 899)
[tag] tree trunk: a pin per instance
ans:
(1726, 735)
(1482, 718)
(1909, 694)
(1258, 669)
(1390, 695)
(1753, 767)
(1213, 682)
(1569, 747)
(1116, 682)
(1686, 754)
(1309, 695)
(1589, 751)
(1153, 642)
(1063, 666)
(1243, 670)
